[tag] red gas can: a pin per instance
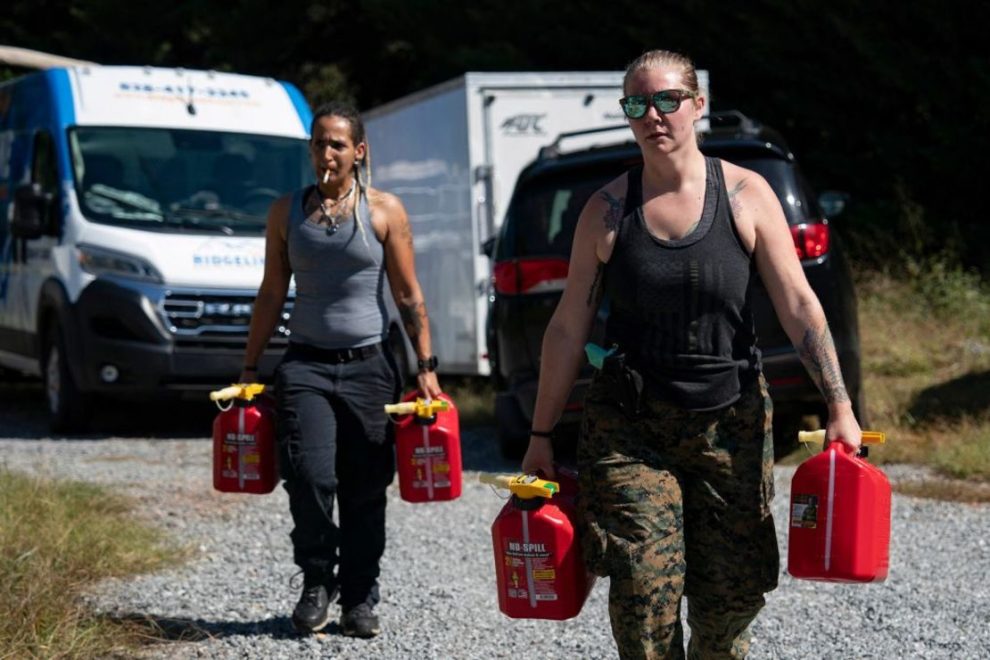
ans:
(427, 449)
(839, 527)
(244, 443)
(539, 569)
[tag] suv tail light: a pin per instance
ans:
(530, 275)
(810, 239)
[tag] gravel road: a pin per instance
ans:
(233, 598)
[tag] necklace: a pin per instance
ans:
(333, 211)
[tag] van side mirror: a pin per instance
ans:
(833, 202)
(31, 211)
(488, 247)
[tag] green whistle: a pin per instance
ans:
(596, 354)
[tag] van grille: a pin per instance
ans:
(215, 318)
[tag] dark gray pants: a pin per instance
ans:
(335, 440)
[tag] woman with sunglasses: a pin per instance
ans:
(675, 456)
(338, 238)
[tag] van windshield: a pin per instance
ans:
(169, 179)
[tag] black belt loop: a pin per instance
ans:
(335, 355)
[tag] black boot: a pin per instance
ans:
(359, 621)
(311, 612)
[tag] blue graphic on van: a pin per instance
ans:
(236, 260)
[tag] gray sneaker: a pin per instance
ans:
(359, 621)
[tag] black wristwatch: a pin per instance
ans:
(429, 364)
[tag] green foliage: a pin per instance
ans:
(969, 458)
(55, 539)
(926, 361)
(951, 292)
(325, 83)
(883, 104)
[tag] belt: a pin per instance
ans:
(335, 355)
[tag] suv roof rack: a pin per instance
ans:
(552, 150)
(723, 120)
(733, 119)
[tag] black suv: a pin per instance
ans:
(531, 256)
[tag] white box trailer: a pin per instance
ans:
(452, 153)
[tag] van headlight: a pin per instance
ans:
(98, 261)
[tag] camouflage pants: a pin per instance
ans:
(677, 503)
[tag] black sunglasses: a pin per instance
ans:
(665, 101)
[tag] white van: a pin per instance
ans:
(132, 214)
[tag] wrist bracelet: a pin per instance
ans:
(542, 434)
(249, 367)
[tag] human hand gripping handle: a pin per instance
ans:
(428, 384)
(539, 457)
(842, 425)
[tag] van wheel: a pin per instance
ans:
(68, 408)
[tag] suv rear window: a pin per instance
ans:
(544, 210)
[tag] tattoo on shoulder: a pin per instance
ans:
(818, 353)
(613, 216)
(595, 293)
(734, 197)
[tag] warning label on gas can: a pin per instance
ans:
(541, 567)
(804, 511)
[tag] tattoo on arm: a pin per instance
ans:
(412, 317)
(595, 294)
(818, 353)
(734, 197)
(406, 234)
(613, 216)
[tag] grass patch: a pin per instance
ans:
(942, 489)
(56, 539)
(926, 362)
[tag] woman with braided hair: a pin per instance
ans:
(339, 238)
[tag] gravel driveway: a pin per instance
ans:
(233, 598)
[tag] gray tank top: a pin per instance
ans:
(340, 280)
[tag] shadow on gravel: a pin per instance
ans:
(169, 629)
(25, 416)
(968, 395)
(480, 451)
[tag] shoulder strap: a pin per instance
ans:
(634, 190)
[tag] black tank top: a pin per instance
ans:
(680, 309)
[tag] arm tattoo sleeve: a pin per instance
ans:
(595, 293)
(818, 353)
(412, 317)
(613, 216)
(734, 199)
